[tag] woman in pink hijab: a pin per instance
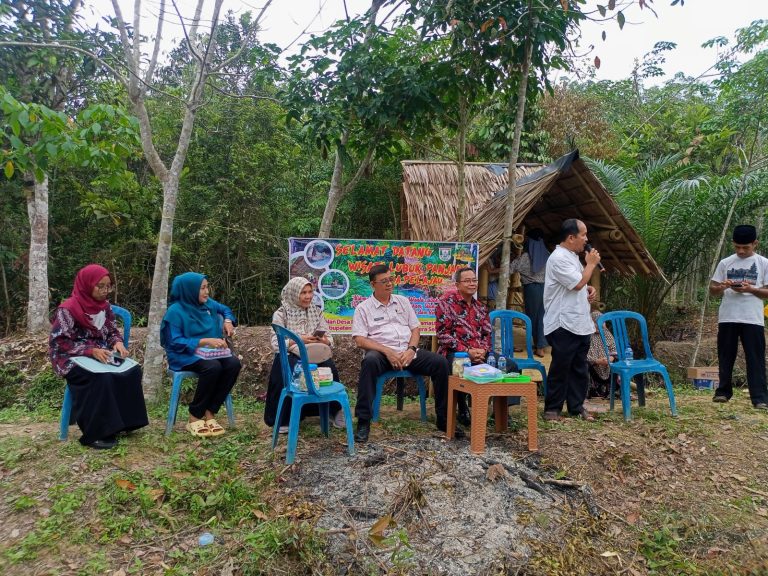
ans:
(104, 403)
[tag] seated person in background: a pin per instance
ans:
(463, 325)
(191, 322)
(103, 404)
(387, 329)
(599, 372)
(300, 316)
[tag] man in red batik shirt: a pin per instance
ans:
(463, 325)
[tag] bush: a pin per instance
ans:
(11, 380)
(45, 391)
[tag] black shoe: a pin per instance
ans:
(104, 443)
(463, 417)
(761, 406)
(363, 429)
(720, 398)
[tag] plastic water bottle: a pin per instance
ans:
(467, 363)
(628, 354)
(502, 365)
(205, 539)
(491, 360)
(298, 377)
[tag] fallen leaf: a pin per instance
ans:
(714, 551)
(260, 515)
(495, 472)
(609, 554)
(632, 518)
(762, 512)
(738, 477)
(119, 572)
(125, 484)
(380, 525)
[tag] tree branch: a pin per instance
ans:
(156, 51)
(247, 39)
(192, 49)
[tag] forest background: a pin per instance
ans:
(273, 140)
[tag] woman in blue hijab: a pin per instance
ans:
(193, 338)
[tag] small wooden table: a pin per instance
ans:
(481, 393)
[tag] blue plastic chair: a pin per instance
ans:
(381, 380)
(322, 396)
(626, 369)
(66, 406)
(177, 378)
(507, 318)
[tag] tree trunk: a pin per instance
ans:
(37, 210)
(153, 353)
(461, 156)
(335, 194)
(509, 217)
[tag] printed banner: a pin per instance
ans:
(338, 270)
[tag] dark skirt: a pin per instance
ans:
(276, 387)
(105, 404)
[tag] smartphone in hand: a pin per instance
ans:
(318, 333)
(737, 285)
(116, 360)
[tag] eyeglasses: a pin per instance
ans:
(384, 281)
(103, 287)
(472, 281)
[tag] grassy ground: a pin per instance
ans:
(686, 495)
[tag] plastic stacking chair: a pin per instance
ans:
(626, 369)
(507, 318)
(66, 407)
(177, 378)
(315, 394)
(381, 380)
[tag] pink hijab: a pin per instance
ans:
(81, 304)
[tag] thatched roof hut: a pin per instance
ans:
(545, 197)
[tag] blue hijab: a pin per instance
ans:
(195, 320)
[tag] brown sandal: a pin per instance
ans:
(585, 415)
(552, 416)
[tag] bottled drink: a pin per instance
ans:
(502, 365)
(298, 378)
(315, 375)
(628, 354)
(466, 364)
(491, 360)
(459, 361)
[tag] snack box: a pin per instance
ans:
(324, 376)
(482, 373)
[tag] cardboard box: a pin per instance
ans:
(704, 378)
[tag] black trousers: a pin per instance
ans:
(104, 404)
(568, 377)
(752, 339)
(426, 364)
(215, 382)
(275, 388)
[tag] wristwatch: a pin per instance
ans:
(413, 348)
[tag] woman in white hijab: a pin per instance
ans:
(300, 316)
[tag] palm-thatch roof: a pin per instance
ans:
(567, 188)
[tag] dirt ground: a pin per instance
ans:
(654, 495)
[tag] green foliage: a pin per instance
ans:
(11, 380)
(46, 390)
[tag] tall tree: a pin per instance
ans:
(56, 81)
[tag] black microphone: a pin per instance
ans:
(588, 248)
